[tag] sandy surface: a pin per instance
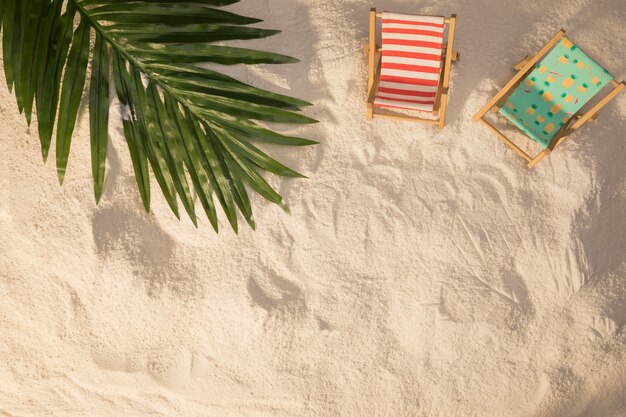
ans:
(420, 273)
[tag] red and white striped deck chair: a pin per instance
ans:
(411, 71)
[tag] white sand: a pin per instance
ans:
(421, 273)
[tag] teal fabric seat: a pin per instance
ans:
(563, 82)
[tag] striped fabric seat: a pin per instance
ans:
(411, 61)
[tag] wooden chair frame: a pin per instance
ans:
(523, 68)
(374, 62)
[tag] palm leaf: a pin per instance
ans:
(193, 127)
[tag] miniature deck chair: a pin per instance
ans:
(546, 96)
(411, 71)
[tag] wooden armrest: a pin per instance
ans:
(521, 64)
(591, 119)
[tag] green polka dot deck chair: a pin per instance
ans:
(547, 97)
(411, 69)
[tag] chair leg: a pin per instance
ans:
(539, 157)
(442, 110)
(370, 111)
(508, 141)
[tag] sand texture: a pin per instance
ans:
(421, 273)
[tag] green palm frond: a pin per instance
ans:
(181, 121)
